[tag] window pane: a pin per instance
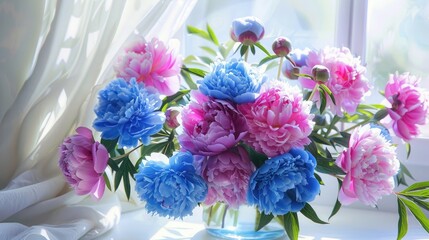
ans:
(307, 23)
(397, 40)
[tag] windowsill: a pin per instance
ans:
(349, 223)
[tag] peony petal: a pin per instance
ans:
(86, 132)
(344, 198)
(100, 157)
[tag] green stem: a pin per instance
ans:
(280, 68)
(128, 153)
(312, 92)
(353, 127)
(246, 54)
(224, 215)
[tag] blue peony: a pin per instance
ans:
(284, 183)
(128, 111)
(172, 190)
(235, 81)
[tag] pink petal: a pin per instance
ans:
(100, 157)
(86, 132)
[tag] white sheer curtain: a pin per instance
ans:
(52, 56)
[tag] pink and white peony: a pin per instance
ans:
(278, 120)
(370, 164)
(151, 63)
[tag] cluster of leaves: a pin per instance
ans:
(415, 198)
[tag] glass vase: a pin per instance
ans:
(227, 223)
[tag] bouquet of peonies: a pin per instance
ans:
(230, 133)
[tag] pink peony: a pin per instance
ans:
(151, 63)
(347, 81)
(370, 164)
(227, 176)
(83, 161)
(211, 126)
(409, 105)
(278, 120)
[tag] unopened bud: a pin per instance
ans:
(247, 30)
(320, 73)
(282, 46)
(171, 117)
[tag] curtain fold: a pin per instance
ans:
(70, 60)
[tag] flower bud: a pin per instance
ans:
(282, 46)
(289, 70)
(247, 30)
(171, 117)
(320, 73)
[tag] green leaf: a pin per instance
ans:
(291, 225)
(405, 171)
(188, 79)
(262, 220)
(403, 220)
(252, 49)
(421, 203)
(113, 165)
(238, 48)
(380, 114)
(243, 50)
(127, 185)
(345, 135)
(118, 177)
(328, 91)
(212, 35)
(417, 212)
(322, 100)
(195, 71)
(110, 145)
(259, 45)
(416, 186)
(371, 106)
(206, 60)
(107, 181)
(324, 165)
(198, 32)
(332, 125)
(408, 148)
(174, 98)
(267, 59)
(341, 141)
(153, 147)
(209, 50)
(337, 205)
(418, 193)
(319, 179)
(225, 48)
(319, 138)
(309, 212)
(257, 158)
